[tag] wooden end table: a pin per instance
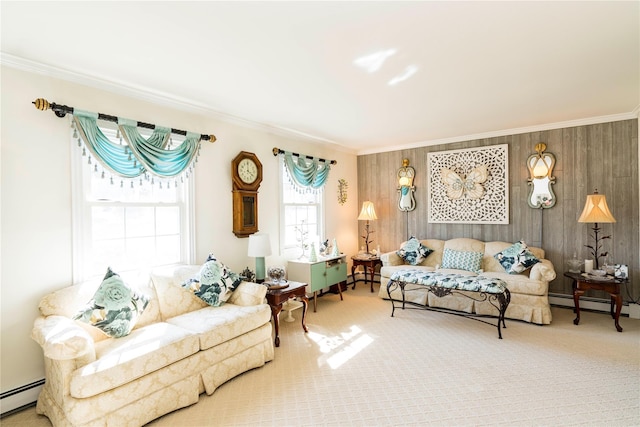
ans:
(368, 263)
(611, 286)
(277, 297)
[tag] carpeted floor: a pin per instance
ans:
(359, 366)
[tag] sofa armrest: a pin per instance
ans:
(543, 271)
(248, 293)
(63, 339)
(391, 258)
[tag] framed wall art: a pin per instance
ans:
(469, 186)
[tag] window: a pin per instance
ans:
(127, 224)
(302, 216)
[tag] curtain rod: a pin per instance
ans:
(62, 110)
(277, 151)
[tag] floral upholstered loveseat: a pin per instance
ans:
(524, 270)
(178, 348)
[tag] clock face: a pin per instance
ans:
(247, 171)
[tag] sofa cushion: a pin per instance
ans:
(519, 283)
(119, 361)
(173, 299)
(248, 293)
(68, 301)
(114, 308)
(414, 252)
(215, 325)
(462, 260)
(516, 258)
(214, 283)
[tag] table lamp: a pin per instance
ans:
(595, 211)
(259, 247)
(367, 213)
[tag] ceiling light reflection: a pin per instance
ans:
(408, 72)
(372, 63)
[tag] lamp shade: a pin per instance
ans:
(259, 245)
(596, 210)
(368, 212)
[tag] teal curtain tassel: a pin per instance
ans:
(149, 155)
(306, 174)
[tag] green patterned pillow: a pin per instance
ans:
(462, 260)
(214, 283)
(115, 307)
(414, 252)
(516, 258)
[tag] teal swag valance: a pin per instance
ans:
(140, 156)
(306, 174)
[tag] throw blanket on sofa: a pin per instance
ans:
(451, 281)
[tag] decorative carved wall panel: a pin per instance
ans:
(469, 186)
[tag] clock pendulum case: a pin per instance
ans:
(246, 175)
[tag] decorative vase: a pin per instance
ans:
(336, 251)
(276, 274)
(313, 256)
(574, 264)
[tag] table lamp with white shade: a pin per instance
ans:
(259, 247)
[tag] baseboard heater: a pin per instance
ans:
(21, 397)
(586, 303)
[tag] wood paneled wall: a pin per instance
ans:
(600, 156)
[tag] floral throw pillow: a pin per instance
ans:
(516, 258)
(115, 307)
(214, 283)
(414, 252)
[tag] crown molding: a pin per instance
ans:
(505, 132)
(183, 104)
(155, 97)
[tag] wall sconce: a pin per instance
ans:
(367, 213)
(596, 210)
(406, 201)
(540, 169)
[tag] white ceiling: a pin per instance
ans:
(478, 67)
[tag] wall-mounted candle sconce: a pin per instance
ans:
(540, 169)
(406, 201)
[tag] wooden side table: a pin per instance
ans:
(611, 286)
(275, 299)
(369, 264)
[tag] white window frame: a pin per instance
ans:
(81, 213)
(294, 251)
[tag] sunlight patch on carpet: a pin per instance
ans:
(337, 350)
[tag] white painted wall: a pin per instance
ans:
(36, 198)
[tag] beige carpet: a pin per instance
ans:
(359, 366)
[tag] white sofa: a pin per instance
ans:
(529, 289)
(179, 348)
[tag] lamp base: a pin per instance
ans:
(260, 271)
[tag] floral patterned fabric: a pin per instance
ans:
(114, 308)
(451, 281)
(158, 367)
(214, 283)
(133, 353)
(414, 252)
(216, 325)
(516, 258)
